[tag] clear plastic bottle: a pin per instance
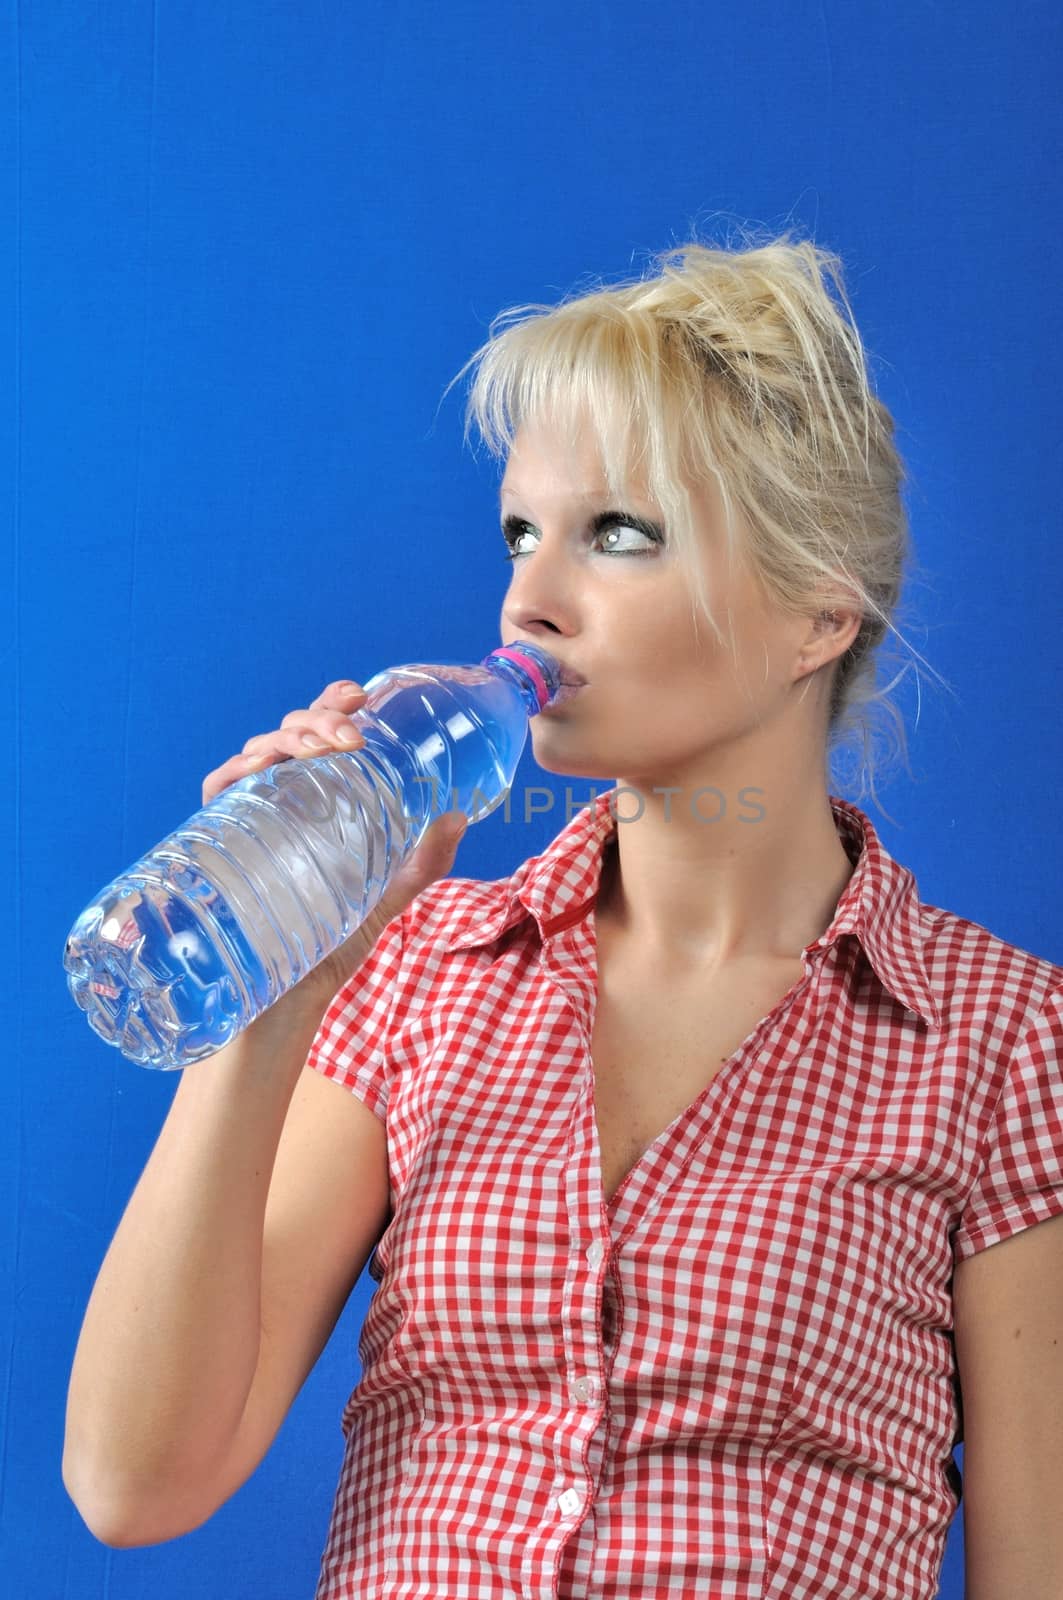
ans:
(184, 950)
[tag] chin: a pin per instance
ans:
(569, 769)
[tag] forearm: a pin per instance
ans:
(170, 1340)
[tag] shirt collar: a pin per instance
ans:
(879, 905)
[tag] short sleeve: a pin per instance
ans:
(1020, 1175)
(351, 1044)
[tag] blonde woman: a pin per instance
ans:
(711, 1179)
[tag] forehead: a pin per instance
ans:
(572, 460)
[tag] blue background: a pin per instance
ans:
(245, 248)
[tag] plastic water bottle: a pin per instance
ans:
(183, 951)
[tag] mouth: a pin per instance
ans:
(568, 690)
(568, 676)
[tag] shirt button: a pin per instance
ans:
(595, 1253)
(569, 1502)
(583, 1390)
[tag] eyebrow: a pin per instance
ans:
(591, 495)
(602, 522)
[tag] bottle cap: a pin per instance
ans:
(539, 664)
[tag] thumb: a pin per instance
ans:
(433, 858)
(435, 854)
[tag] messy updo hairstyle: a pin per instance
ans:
(743, 364)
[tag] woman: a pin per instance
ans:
(682, 1149)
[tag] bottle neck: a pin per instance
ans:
(531, 670)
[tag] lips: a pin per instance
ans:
(570, 676)
(565, 693)
(570, 679)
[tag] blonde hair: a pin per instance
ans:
(739, 364)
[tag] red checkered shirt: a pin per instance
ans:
(736, 1378)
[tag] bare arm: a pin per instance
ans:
(1008, 1328)
(255, 1214)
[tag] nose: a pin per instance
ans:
(543, 591)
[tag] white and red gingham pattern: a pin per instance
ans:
(737, 1378)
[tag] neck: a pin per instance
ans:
(760, 883)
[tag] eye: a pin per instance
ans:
(513, 531)
(607, 533)
(608, 538)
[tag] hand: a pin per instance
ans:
(322, 722)
(327, 722)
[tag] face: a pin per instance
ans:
(600, 586)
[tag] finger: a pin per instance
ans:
(302, 742)
(341, 695)
(343, 701)
(324, 731)
(330, 727)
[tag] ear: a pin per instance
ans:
(830, 633)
